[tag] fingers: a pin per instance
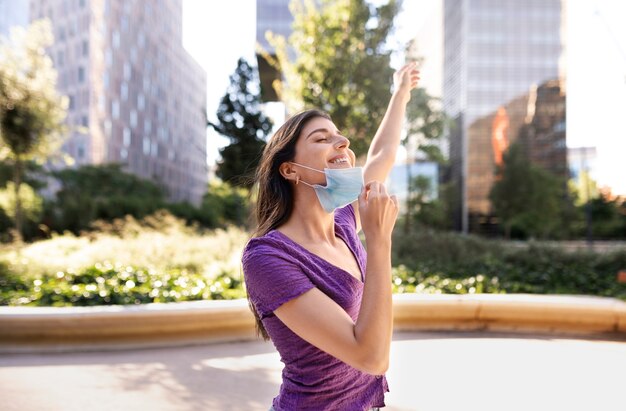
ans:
(363, 197)
(410, 64)
(374, 188)
(408, 75)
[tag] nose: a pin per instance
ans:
(342, 142)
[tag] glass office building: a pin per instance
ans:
(503, 80)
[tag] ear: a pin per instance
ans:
(288, 171)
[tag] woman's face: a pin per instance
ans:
(319, 146)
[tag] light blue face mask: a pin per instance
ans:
(343, 186)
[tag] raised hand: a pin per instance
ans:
(406, 79)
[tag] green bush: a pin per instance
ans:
(525, 268)
(159, 241)
(407, 281)
(105, 284)
(187, 265)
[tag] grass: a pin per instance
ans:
(160, 242)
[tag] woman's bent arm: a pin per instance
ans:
(317, 319)
(320, 321)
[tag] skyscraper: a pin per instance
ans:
(273, 16)
(132, 85)
(502, 60)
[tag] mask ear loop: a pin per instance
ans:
(310, 168)
(298, 177)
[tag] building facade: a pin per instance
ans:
(271, 16)
(500, 60)
(136, 96)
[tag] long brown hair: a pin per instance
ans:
(274, 202)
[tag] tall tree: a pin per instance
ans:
(526, 197)
(31, 111)
(240, 119)
(336, 60)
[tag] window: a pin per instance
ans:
(72, 102)
(115, 39)
(115, 109)
(126, 137)
(81, 74)
(127, 71)
(101, 102)
(133, 118)
(107, 128)
(108, 58)
(85, 48)
(124, 91)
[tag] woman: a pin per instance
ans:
(324, 302)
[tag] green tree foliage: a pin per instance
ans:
(608, 217)
(33, 181)
(426, 211)
(103, 192)
(528, 200)
(31, 111)
(426, 121)
(339, 63)
(425, 125)
(239, 118)
(224, 204)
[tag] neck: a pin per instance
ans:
(309, 223)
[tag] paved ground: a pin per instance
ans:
(429, 372)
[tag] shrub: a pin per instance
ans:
(106, 284)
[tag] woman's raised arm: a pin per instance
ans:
(382, 152)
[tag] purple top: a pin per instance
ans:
(276, 270)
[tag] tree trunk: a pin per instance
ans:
(17, 180)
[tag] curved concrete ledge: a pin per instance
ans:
(46, 329)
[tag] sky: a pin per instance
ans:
(596, 68)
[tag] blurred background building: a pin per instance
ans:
(503, 80)
(274, 16)
(136, 96)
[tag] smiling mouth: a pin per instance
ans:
(341, 160)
